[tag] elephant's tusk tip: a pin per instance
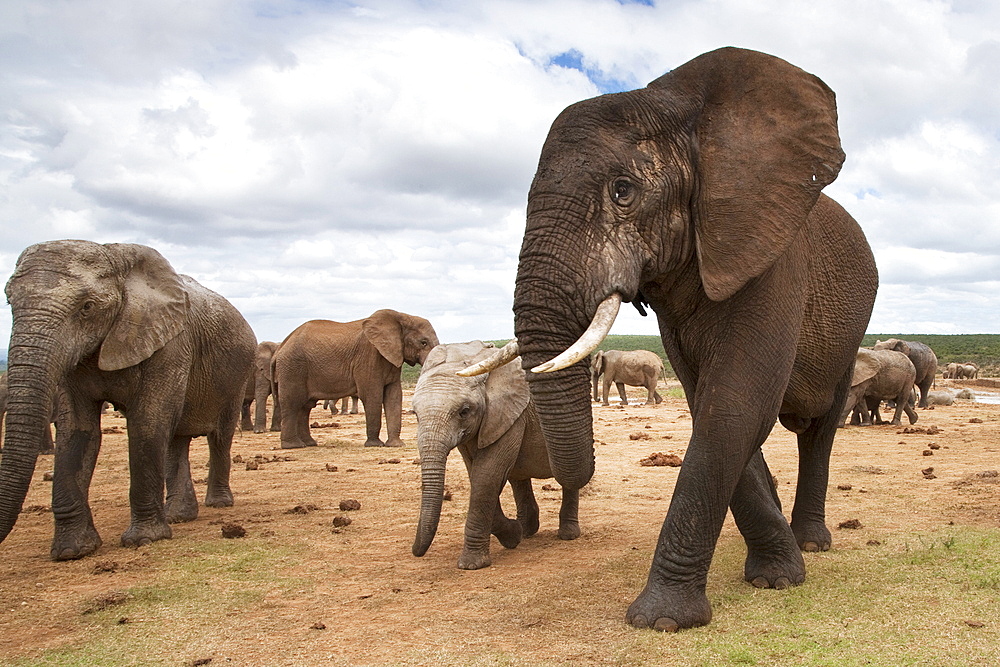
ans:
(547, 367)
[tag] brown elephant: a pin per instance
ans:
(925, 362)
(638, 368)
(115, 323)
(492, 422)
(700, 196)
(258, 389)
(881, 375)
(324, 359)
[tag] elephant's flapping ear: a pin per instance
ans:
(767, 144)
(507, 397)
(598, 363)
(866, 366)
(154, 307)
(384, 330)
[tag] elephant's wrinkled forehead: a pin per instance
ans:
(62, 265)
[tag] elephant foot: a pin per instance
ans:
(394, 442)
(275, 429)
(141, 534)
(181, 509)
(221, 497)
(813, 536)
(474, 560)
(669, 609)
(529, 524)
(374, 442)
(297, 444)
(259, 430)
(73, 544)
(509, 534)
(767, 569)
(569, 530)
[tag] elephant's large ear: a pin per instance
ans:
(384, 330)
(507, 396)
(154, 307)
(598, 359)
(866, 366)
(767, 144)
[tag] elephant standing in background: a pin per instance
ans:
(258, 389)
(881, 375)
(638, 368)
(324, 359)
(968, 370)
(700, 196)
(348, 400)
(924, 361)
(492, 422)
(115, 323)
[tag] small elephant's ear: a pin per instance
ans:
(507, 397)
(866, 366)
(384, 330)
(901, 346)
(767, 145)
(598, 358)
(154, 307)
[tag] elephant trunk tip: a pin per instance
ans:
(420, 547)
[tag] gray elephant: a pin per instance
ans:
(324, 359)
(348, 406)
(942, 397)
(700, 196)
(638, 368)
(258, 389)
(881, 375)
(924, 361)
(968, 371)
(492, 422)
(115, 323)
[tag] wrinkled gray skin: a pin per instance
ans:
(351, 401)
(258, 389)
(699, 195)
(325, 359)
(924, 361)
(491, 421)
(637, 368)
(47, 446)
(881, 375)
(115, 323)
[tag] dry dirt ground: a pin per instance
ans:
(316, 594)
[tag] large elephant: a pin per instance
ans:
(325, 359)
(638, 368)
(493, 423)
(699, 196)
(115, 323)
(258, 389)
(925, 362)
(881, 375)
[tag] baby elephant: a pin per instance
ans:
(881, 375)
(492, 421)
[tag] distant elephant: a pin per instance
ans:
(258, 388)
(881, 375)
(968, 371)
(942, 397)
(492, 422)
(700, 196)
(115, 323)
(638, 368)
(324, 359)
(924, 361)
(351, 401)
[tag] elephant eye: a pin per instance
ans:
(87, 308)
(622, 192)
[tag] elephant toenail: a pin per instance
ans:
(782, 583)
(664, 624)
(760, 582)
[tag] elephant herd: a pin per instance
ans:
(699, 197)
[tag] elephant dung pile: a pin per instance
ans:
(661, 459)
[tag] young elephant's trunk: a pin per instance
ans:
(432, 467)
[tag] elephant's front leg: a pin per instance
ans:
(182, 503)
(392, 402)
(78, 436)
(569, 523)
(487, 475)
(527, 506)
(148, 436)
(773, 558)
(621, 392)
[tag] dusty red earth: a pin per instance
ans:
(332, 579)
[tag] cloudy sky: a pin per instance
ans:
(323, 159)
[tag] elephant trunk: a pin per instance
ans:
(34, 369)
(433, 461)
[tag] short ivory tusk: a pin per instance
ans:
(504, 355)
(591, 338)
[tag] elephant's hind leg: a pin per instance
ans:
(773, 557)
(220, 463)
(527, 506)
(182, 503)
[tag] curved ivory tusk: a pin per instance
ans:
(589, 340)
(502, 356)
